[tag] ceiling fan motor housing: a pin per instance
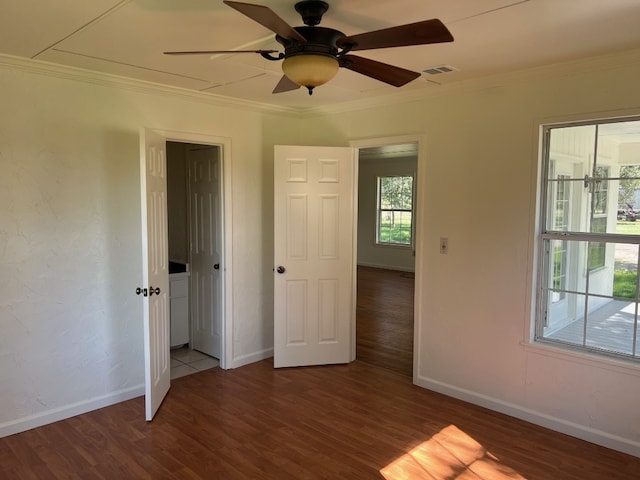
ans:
(312, 11)
(320, 41)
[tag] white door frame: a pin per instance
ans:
(420, 206)
(227, 237)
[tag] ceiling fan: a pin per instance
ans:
(312, 54)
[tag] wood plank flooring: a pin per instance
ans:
(356, 421)
(384, 319)
(360, 421)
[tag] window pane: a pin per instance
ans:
(558, 267)
(560, 203)
(395, 227)
(565, 318)
(396, 193)
(596, 208)
(608, 296)
(611, 327)
(597, 255)
(600, 191)
(587, 196)
(619, 277)
(570, 149)
(626, 270)
(395, 204)
(566, 267)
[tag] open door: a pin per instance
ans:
(205, 249)
(314, 287)
(155, 272)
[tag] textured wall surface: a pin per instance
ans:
(479, 159)
(70, 324)
(70, 241)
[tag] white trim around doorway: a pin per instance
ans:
(420, 140)
(227, 285)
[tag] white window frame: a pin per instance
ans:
(379, 208)
(543, 237)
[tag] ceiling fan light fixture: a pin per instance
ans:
(310, 70)
(313, 54)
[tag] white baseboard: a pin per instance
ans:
(68, 411)
(548, 421)
(251, 358)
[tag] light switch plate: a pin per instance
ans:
(444, 245)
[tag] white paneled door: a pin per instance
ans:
(205, 249)
(155, 273)
(314, 235)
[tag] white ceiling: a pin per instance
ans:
(127, 38)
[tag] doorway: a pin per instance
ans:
(195, 233)
(155, 256)
(386, 254)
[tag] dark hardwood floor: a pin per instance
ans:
(356, 421)
(384, 319)
(360, 421)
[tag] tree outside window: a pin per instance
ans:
(395, 210)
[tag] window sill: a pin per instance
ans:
(394, 245)
(618, 365)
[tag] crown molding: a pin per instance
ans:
(40, 67)
(561, 69)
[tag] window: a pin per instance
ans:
(395, 210)
(587, 295)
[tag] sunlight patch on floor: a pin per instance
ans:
(450, 454)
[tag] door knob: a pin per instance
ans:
(216, 266)
(148, 291)
(281, 269)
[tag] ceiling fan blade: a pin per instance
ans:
(217, 52)
(384, 72)
(285, 85)
(267, 18)
(420, 33)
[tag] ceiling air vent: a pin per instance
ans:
(440, 70)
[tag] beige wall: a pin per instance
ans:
(70, 235)
(71, 337)
(473, 314)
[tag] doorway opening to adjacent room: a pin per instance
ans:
(210, 167)
(386, 263)
(194, 188)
